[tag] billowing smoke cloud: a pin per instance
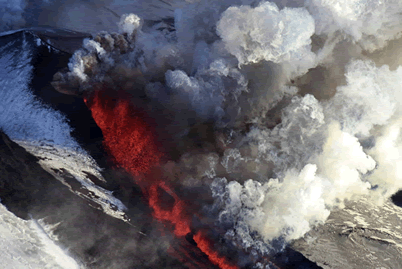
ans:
(267, 33)
(301, 117)
(372, 23)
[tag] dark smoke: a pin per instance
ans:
(270, 115)
(214, 77)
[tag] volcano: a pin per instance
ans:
(59, 185)
(219, 135)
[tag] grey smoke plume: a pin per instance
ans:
(287, 147)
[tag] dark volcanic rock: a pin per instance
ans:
(22, 180)
(93, 237)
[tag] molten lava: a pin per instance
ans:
(205, 246)
(127, 137)
(131, 142)
(175, 215)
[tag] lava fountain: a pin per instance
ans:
(131, 142)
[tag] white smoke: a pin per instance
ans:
(371, 97)
(241, 65)
(333, 171)
(267, 33)
(129, 24)
(370, 22)
(388, 153)
(315, 175)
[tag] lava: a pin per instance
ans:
(129, 139)
(205, 246)
(175, 216)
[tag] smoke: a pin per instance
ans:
(267, 33)
(59, 254)
(370, 23)
(281, 112)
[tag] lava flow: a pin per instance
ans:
(131, 142)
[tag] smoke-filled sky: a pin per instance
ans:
(282, 109)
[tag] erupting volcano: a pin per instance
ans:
(214, 134)
(131, 143)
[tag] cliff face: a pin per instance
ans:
(92, 237)
(22, 180)
(24, 183)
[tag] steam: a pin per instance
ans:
(371, 23)
(267, 33)
(370, 98)
(280, 160)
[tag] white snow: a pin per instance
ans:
(24, 244)
(77, 164)
(43, 131)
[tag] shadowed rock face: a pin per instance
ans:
(22, 180)
(94, 238)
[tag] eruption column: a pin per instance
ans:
(131, 142)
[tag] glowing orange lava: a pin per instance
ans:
(174, 216)
(205, 246)
(131, 142)
(127, 137)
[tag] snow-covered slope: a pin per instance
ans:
(26, 244)
(40, 129)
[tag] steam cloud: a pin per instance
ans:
(286, 148)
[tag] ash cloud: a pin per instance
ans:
(280, 149)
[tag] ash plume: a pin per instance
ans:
(233, 94)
